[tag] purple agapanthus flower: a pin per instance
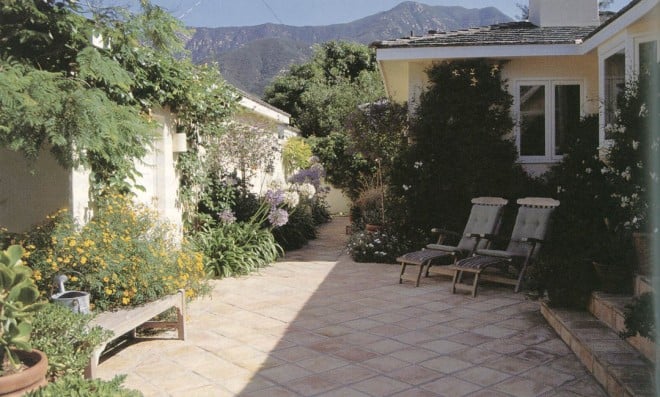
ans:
(278, 217)
(274, 197)
(227, 216)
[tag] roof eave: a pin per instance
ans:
(617, 24)
(476, 51)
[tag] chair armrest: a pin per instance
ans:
(446, 232)
(531, 240)
(486, 236)
(445, 235)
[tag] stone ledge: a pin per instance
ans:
(616, 365)
(609, 308)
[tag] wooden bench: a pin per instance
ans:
(123, 321)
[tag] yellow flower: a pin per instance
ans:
(108, 291)
(37, 275)
(74, 279)
(83, 260)
(125, 301)
(106, 279)
(72, 243)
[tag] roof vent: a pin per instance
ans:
(564, 12)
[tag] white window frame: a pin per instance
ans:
(647, 38)
(550, 136)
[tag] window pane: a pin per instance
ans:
(615, 77)
(567, 114)
(648, 56)
(532, 120)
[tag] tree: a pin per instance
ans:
(461, 147)
(89, 102)
(320, 94)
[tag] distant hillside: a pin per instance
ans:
(250, 56)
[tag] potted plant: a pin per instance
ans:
(370, 204)
(23, 369)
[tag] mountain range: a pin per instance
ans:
(249, 57)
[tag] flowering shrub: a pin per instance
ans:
(122, 257)
(628, 166)
(380, 247)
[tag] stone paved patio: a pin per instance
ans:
(318, 324)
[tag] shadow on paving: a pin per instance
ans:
(357, 332)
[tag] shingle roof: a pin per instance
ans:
(510, 33)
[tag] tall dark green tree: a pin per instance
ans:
(461, 147)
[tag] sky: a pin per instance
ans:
(217, 13)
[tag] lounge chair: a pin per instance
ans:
(529, 231)
(483, 222)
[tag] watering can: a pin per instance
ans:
(77, 301)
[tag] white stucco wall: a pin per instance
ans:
(32, 190)
(160, 179)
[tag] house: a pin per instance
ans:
(34, 190)
(566, 61)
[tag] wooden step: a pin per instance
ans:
(610, 309)
(615, 364)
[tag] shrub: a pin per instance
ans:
(380, 247)
(66, 338)
(124, 256)
(233, 249)
(76, 386)
(455, 156)
(300, 228)
(640, 317)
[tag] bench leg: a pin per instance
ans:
(181, 317)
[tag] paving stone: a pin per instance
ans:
(316, 323)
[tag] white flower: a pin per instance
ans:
(643, 111)
(588, 170)
(626, 174)
(418, 164)
(291, 198)
(604, 170)
(406, 187)
(306, 190)
(635, 144)
(559, 189)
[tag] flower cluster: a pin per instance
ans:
(380, 247)
(628, 164)
(122, 257)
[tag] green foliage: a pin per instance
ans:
(380, 247)
(99, 98)
(66, 338)
(320, 94)
(640, 317)
(77, 386)
(123, 257)
(300, 228)
(234, 249)
(629, 168)
(19, 304)
(379, 131)
(455, 155)
(342, 162)
(295, 154)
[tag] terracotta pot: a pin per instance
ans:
(30, 379)
(370, 227)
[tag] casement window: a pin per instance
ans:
(548, 111)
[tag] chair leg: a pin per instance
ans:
(403, 269)
(475, 284)
(419, 275)
(521, 275)
(428, 267)
(453, 281)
